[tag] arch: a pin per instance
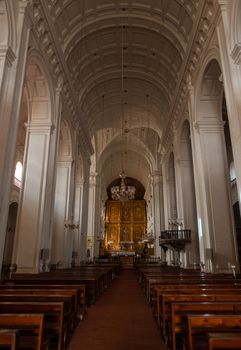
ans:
(210, 91)
(39, 89)
(235, 24)
(8, 24)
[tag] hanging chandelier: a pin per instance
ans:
(123, 193)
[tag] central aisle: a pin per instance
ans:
(120, 320)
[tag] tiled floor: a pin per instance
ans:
(120, 320)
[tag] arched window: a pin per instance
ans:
(18, 174)
(232, 172)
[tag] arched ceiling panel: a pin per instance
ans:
(125, 60)
(136, 163)
(146, 40)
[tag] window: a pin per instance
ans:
(18, 174)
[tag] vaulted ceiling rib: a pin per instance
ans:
(146, 42)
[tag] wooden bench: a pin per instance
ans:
(55, 318)
(8, 339)
(198, 326)
(72, 293)
(79, 289)
(93, 284)
(224, 341)
(168, 299)
(179, 311)
(30, 329)
(193, 291)
(67, 300)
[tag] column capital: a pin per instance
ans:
(39, 127)
(156, 177)
(94, 179)
(209, 125)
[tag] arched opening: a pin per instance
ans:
(18, 174)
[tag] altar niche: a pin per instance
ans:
(125, 225)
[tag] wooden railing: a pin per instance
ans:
(175, 238)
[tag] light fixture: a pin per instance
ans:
(123, 192)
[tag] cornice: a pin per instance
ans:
(45, 32)
(203, 33)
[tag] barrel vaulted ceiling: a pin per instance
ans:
(125, 60)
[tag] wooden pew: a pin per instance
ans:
(79, 289)
(168, 299)
(30, 329)
(193, 291)
(188, 280)
(179, 311)
(93, 284)
(198, 326)
(224, 341)
(67, 300)
(72, 293)
(55, 319)
(8, 339)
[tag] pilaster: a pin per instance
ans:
(215, 216)
(93, 215)
(12, 70)
(63, 237)
(30, 226)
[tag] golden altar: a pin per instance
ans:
(125, 225)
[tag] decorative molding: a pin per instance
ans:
(204, 31)
(44, 31)
(7, 52)
(236, 54)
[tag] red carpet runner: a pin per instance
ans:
(120, 320)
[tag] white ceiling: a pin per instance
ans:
(125, 60)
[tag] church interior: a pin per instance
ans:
(120, 174)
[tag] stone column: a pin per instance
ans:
(46, 239)
(215, 223)
(231, 71)
(30, 225)
(93, 215)
(84, 220)
(63, 234)
(156, 182)
(12, 71)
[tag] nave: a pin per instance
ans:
(121, 319)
